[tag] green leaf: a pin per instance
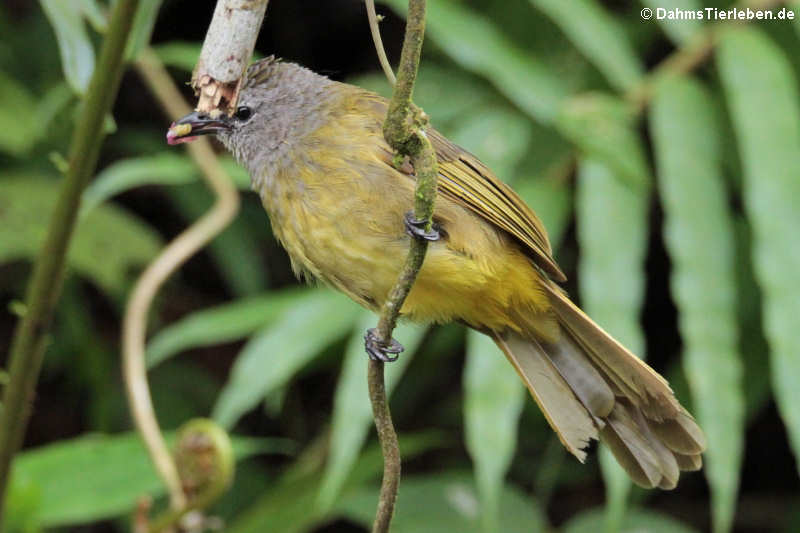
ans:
(50, 105)
(143, 23)
(680, 31)
(471, 115)
(635, 521)
(753, 344)
(493, 396)
(93, 477)
(22, 503)
(236, 250)
(179, 54)
(273, 356)
(447, 94)
(94, 14)
(18, 126)
(603, 128)
(352, 412)
(598, 36)
(762, 94)
(288, 507)
(224, 323)
(77, 53)
(107, 242)
(497, 136)
(795, 6)
(165, 168)
(612, 234)
(443, 503)
(444, 93)
(232, 249)
(699, 236)
(478, 46)
(552, 201)
(236, 172)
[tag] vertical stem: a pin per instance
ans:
(376, 38)
(28, 344)
(169, 260)
(389, 447)
(403, 130)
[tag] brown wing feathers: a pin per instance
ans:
(467, 181)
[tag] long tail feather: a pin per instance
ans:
(670, 470)
(631, 449)
(589, 386)
(566, 415)
(689, 463)
(681, 434)
(642, 385)
(584, 379)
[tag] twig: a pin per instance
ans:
(403, 130)
(376, 38)
(171, 258)
(690, 56)
(28, 345)
(141, 515)
(682, 61)
(389, 447)
(226, 53)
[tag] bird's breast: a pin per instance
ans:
(336, 227)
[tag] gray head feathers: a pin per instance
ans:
(286, 102)
(260, 71)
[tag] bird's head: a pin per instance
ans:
(278, 103)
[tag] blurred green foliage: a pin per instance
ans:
(540, 90)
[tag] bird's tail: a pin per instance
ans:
(589, 386)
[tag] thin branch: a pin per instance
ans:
(227, 50)
(689, 56)
(403, 130)
(389, 447)
(376, 38)
(28, 344)
(681, 61)
(172, 257)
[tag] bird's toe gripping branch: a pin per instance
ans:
(416, 228)
(378, 350)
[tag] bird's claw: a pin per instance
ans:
(378, 350)
(416, 228)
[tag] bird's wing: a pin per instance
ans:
(467, 181)
(470, 183)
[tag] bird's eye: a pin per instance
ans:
(243, 113)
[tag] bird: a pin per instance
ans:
(338, 201)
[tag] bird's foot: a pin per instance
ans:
(378, 350)
(416, 228)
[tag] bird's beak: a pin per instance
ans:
(196, 123)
